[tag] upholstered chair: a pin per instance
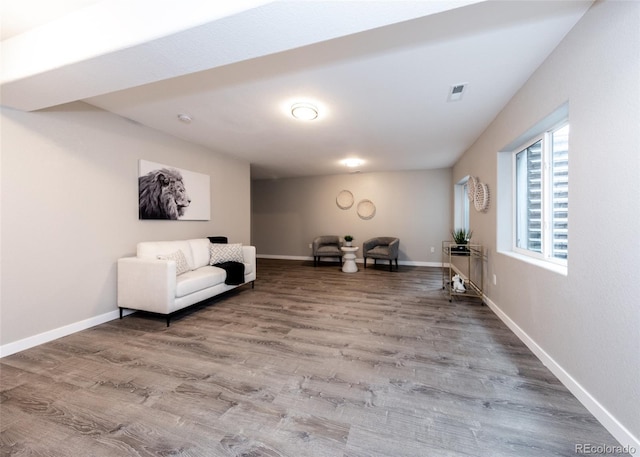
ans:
(381, 247)
(326, 246)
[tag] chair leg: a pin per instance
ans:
(390, 264)
(365, 261)
(396, 264)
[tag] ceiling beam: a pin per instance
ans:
(115, 45)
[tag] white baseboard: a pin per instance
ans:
(358, 260)
(33, 341)
(419, 263)
(619, 431)
(284, 257)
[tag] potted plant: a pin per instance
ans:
(461, 237)
(347, 240)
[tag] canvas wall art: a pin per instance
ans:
(166, 192)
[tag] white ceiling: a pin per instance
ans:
(379, 71)
(18, 16)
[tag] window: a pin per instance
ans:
(532, 194)
(541, 173)
(461, 205)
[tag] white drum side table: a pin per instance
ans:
(349, 265)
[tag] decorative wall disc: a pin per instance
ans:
(472, 183)
(344, 200)
(366, 209)
(481, 198)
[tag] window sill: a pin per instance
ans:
(554, 267)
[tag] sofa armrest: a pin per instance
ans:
(147, 284)
(369, 244)
(393, 248)
(249, 255)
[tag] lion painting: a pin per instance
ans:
(161, 195)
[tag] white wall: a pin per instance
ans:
(415, 206)
(586, 325)
(69, 211)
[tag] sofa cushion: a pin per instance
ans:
(199, 279)
(182, 266)
(200, 251)
(220, 253)
(152, 249)
(378, 250)
(328, 251)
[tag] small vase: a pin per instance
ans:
(347, 244)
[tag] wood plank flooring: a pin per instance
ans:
(312, 362)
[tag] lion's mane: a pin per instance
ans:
(161, 195)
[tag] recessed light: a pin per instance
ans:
(304, 111)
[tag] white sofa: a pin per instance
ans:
(149, 283)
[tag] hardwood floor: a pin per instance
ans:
(312, 362)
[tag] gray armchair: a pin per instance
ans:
(326, 246)
(381, 247)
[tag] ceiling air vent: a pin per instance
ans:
(456, 91)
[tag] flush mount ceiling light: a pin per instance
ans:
(304, 111)
(352, 163)
(184, 118)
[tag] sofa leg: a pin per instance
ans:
(168, 320)
(120, 313)
(253, 284)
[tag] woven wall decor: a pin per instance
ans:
(481, 197)
(366, 209)
(344, 200)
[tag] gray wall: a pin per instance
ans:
(588, 322)
(69, 210)
(415, 206)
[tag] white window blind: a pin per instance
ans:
(542, 195)
(560, 192)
